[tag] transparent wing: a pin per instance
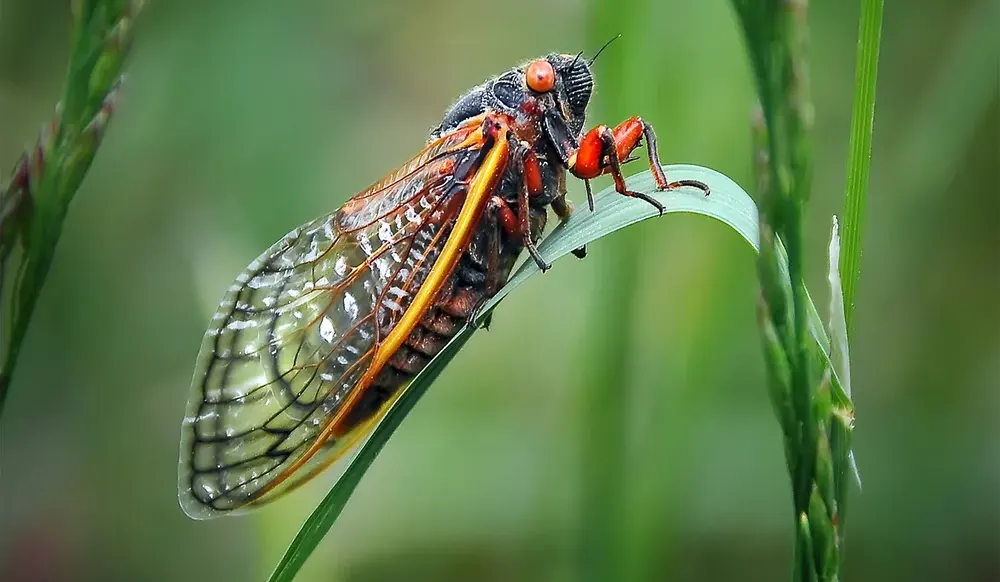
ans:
(298, 329)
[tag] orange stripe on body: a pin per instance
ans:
(480, 189)
(475, 201)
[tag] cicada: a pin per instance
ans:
(320, 334)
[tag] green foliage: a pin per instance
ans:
(33, 205)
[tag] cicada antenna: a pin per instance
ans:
(601, 50)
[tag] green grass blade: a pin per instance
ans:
(862, 120)
(728, 203)
(324, 516)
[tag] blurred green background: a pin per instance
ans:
(244, 118)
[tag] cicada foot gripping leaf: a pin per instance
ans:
(320, 334)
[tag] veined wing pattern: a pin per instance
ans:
(299, 327)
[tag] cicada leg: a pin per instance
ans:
(603, 151)
(497, 216)
(529, 184)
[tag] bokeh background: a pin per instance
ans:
(244, 118)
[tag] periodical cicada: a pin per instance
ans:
(319, 335)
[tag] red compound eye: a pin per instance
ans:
(540, 76)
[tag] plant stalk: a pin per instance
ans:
(811, 407)
(34, 204)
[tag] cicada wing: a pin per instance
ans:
(297, 331)
(289, 340)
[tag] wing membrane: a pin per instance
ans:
(299, 329)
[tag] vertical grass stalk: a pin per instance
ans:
(814, 412)
(34, 203)
(860, 149)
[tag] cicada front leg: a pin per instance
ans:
(530, 185)
(528, 180)
(603, 151)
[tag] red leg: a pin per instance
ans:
(530, 185)
(519, 225)
(524, 220)
(505, 216)
(532, 173)
(627, 137)
(603, 151)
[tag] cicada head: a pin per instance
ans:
(553, 90)
(574, 84)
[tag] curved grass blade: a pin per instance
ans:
(728, 203)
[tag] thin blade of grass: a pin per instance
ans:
(862, 121)
(728, 203)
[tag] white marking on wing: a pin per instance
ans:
(384, 231)
(326, 330)
(351, 305)
(340, 267)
